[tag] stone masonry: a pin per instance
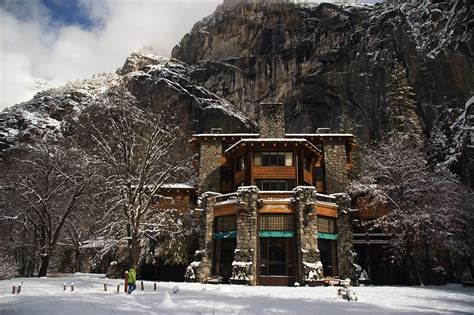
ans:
(272, 120)
(335, 167)
(209, 165)
(308, 257)
(345, 248)
(245, 259)
(203, 261)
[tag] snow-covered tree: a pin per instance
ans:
(428, 210)
(401, 106)
(136, 151)
(47, 186)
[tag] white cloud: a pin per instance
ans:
(35, 49)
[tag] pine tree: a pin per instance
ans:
(401, 113)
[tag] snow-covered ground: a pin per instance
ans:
(46, 296)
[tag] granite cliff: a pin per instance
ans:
(328, 63)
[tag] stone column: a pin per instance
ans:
(308, 258)
(244, 267)
(209, 165)
(335, 160)
(272, 120)
(346, 255)
(206, 243)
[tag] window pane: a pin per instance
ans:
(273, 159)
(226, 223)
(266, 185)
(266, 158)
(319, 173)
(276, 222)
(326, 225)
(288, 158)
(257, 158)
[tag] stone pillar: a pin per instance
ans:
(206, 243)
(209, 165)
(346, 255)
(335, 159)
(308, 258)
(244, 267)
(272, 120)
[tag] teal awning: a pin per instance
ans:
(222, 235)
(276, 233)
(327, 236)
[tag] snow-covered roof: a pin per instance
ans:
(177, 186)
(225, 135)
(272, 140)
(319, 135)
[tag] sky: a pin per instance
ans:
(46, 43)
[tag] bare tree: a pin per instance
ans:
(136, 152)
(48, 184)
(428, 209)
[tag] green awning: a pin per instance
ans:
(327, 236)
(223, 235)
(276, 233)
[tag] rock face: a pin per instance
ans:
(327, 62)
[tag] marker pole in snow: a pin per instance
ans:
(105, 287)
(13, 289)
(154, 287)
(19, 288)
(126, 282)
(141, 282)
(118, 288)
(64, 286)
(72, 287)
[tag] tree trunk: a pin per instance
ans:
(134, 251)
(44, 266)
(415, 267)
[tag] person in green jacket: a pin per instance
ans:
(132, 280)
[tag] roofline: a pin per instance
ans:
(270, 140)
(221, 135)
(291, 135)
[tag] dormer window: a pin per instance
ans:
(273, 158)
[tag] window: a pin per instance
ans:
(240, 163)
(225, 223)
(319, 172)
(276, 222)
(283, 185)
(273, 158)
(326, 225)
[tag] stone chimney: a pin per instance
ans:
(272, 120)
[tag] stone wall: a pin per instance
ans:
(306, 229)
(244, 267)
(272, 120)
(209, 165)
(346, 254)
(335, 160)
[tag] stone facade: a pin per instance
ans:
(306, 229)
(201, 268)
(209, 165)
(335, 162)
(244, 268)
(272, 120)
(345, 247)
